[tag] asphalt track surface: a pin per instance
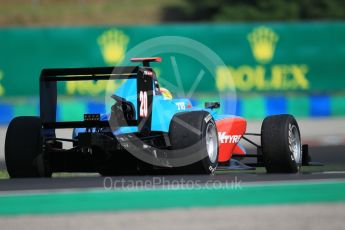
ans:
(329, 155)
(154, 182)
(308, 216)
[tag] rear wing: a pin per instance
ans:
(146, 60)
(48, 94)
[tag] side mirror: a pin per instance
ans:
(212, 105)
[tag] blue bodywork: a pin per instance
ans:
(163, 109)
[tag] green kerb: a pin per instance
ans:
(121, 200)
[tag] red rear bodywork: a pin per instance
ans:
(230, 131)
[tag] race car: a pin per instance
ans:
(145, 131)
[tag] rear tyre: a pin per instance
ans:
(23, 148)
(281, 144)
(195, 133)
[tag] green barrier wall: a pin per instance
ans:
(279, 59)
(261, 57)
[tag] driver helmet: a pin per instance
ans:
(166, 94)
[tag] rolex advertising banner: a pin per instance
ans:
(268, 58)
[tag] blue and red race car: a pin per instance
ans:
(145, 131)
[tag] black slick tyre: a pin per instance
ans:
(281, 144)
(23, 148)
(195, 133)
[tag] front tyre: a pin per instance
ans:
(281, 144)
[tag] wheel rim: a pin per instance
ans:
(211, 142)
(295, 143)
